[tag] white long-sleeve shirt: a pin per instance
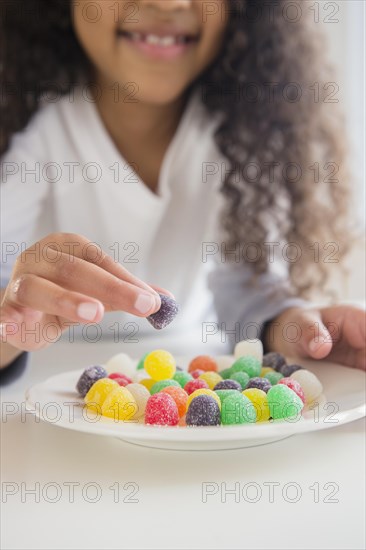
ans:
(63, 173)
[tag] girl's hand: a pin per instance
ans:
(62, 280)
(336, 333)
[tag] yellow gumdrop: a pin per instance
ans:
(212, 378)
(204, 391)
(259, 399)
(265, 370)
(119, 404)
(160, 365)
(148, 383)
(98, 393)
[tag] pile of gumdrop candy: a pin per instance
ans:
(249, 387)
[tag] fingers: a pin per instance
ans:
(77, 275)
(315, 340)
(32, 292)
(163, 291)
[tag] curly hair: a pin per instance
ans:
(282, 139)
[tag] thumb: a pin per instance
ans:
(315, 340)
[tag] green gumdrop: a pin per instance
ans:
(273, 377)
(237, 409)
(241, 377)
(182, 378)
(223, 394)
(161, 384)
(249, 364)
(283, 402)
(225, 374)
(140, 364)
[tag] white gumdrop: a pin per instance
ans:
(310, 384)
(141, 395)
(224, 361)
(140, 375)
(249, 347)
(121, 363)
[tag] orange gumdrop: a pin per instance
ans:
(180, 397)
(203, 362)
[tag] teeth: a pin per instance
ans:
(168, 41)
(152, 39)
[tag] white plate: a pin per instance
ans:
(55, 400)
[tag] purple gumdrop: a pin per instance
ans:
(228, 384)
(89, 377)
(203, 411)
(166, 314)
(287, 370)
(260, 383)
(274, 360)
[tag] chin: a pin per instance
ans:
(161, 95)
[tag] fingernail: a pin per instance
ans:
(145, 303)
(314, 345)
(87, 311)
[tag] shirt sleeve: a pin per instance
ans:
(16, 368)
(243, 308)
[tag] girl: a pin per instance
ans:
(180, 138)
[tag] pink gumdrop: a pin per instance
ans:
(294, 386)
(116, 375)
(161, 410)
(196, 373)
(196, 384)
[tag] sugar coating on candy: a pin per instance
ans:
(265, 370)
(311, 385)
(228, 385)
(196, 373)
(237, 409)
(223, 394)
(195, 384)
(283, 402)
(242, 378)
(294, 386)
(249, 364)
(226, 373)
(115, 375)
(168, 311)
(212, 378)
(260, 403)
(119, 405)
(182, 378)
(140, 364)
(97, 394)
(288, 370)
(203, 362)
(158, 386)
(274, 360)
(122, 381)
(89, 377)
(121, 363)
(204, 391)
(249, 347)
(260, 383)
(160, 364)
(180, 397)
(273, 377)
(161, 410)
(148, 383)
(141, 396)
(203, 411)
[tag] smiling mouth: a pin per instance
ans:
(166, 41)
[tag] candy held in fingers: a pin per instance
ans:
(260, 383)
(310, 384)
(95, 397)
(283, 402)
(274, 360)
(249, 347)
(203, 362)
(169, 309)
(89, 377)
(203, 411)
(119, 405)
(161, 410)
(160, 365)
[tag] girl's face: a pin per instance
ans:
(152, 48)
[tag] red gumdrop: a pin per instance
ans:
(197, 373)
(121, 381)
(294, 386)
(116, 375)
(196, 384)
(203, 362)
(161, 410)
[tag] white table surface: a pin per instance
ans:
(170, 511)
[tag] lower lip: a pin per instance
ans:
(154, 51)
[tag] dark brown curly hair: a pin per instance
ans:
(280, 132)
